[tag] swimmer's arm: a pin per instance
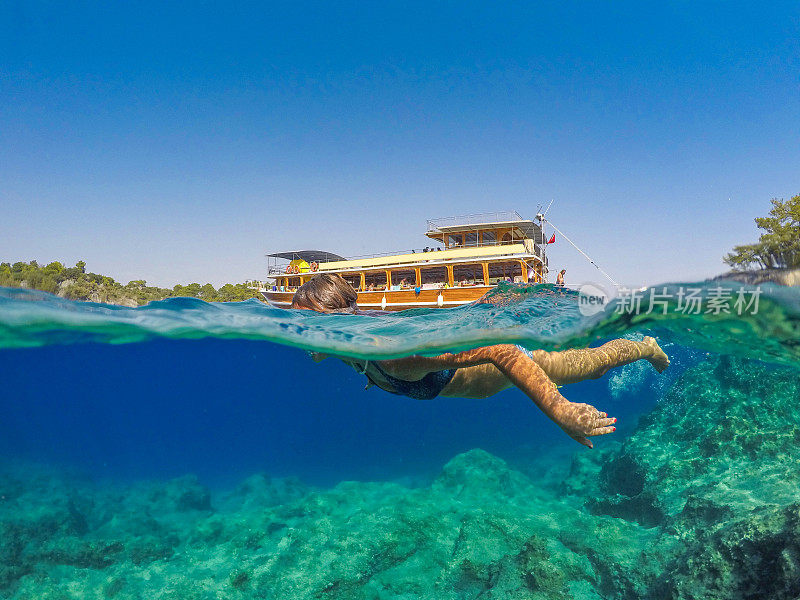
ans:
(578, 420)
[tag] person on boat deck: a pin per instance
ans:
(483, 372)
(560, 277)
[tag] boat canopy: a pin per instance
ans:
(318, 256)
(499, 227)
(425, 259)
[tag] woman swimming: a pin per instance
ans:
(485, 371)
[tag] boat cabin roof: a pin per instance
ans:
(309, 256)
(510, 222)
(503, 236)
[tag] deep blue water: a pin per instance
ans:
(225, 408)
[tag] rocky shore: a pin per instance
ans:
(789, 277)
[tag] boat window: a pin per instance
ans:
(500, 271)
(506, 238)
(471, 239)
(456, 239)
(468, 274)
(408, 275)
(433, 277)
(375, 280)
(353, 280)
(489, 238)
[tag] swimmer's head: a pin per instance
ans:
(325, 293)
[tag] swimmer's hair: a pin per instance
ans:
(325, 292)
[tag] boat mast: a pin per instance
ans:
(540, 216)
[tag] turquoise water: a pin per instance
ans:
(538, 316)
(191, 450)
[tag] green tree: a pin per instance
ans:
(54, 268)
(779, 245)
(207, 293)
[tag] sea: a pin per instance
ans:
(186, 449)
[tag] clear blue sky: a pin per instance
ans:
(181, 143)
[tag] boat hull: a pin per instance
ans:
(399, 299)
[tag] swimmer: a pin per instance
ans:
(485, 371)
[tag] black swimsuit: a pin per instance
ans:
(426, 388)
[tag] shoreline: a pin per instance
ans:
(785, 277)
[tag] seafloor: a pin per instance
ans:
(702, 501)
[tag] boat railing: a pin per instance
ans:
(275, 269)
(474, 219)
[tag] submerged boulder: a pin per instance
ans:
(757, 556)
(261, 490)
(477, 473)
(715, 465)
(728, 432)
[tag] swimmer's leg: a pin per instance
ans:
(573, 365)
(477, 382)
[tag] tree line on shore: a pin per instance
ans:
(76, 284)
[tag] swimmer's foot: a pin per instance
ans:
(582, 421)
(659, 360)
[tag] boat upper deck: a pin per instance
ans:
(485, 229)
(486, 237)
(450, 255)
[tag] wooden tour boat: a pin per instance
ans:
(472, 254)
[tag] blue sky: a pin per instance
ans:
(180, 143)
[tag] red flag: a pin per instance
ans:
(552, 240)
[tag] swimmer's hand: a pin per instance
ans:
(582, 421)
(579, 421)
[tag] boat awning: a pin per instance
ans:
(309, 256)
(520, 228)
(525, 226)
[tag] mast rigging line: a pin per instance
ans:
(583, 253)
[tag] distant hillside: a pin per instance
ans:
(76, 284)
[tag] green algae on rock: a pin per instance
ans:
(481, 528)
(716, 466)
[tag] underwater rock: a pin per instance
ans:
(477, 472)
(755, 557)
(728, 431)
(715, 464)
(260, 490)
(182, 494)
(480, 528)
